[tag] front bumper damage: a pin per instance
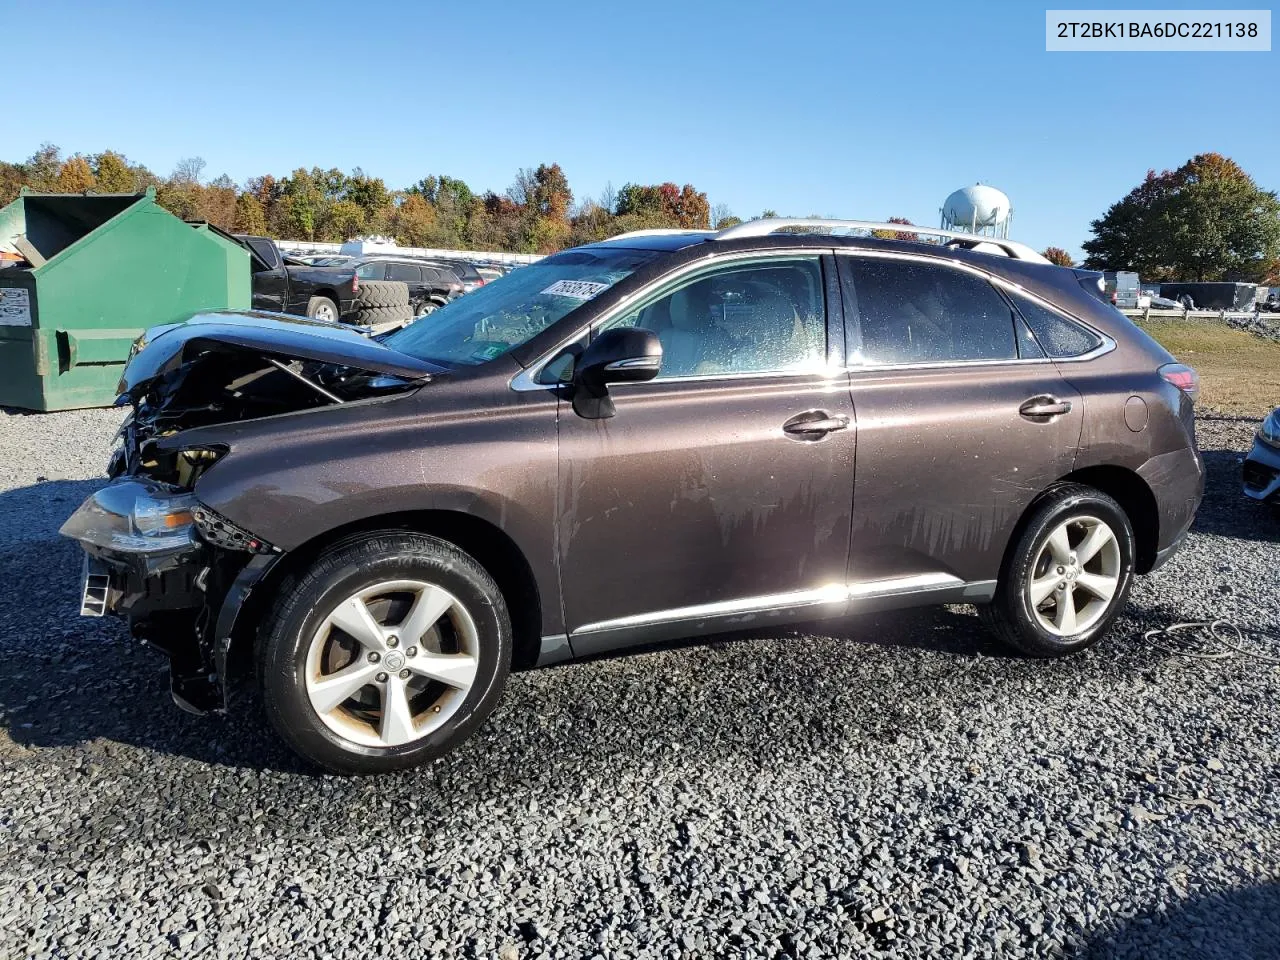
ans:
(185, 601)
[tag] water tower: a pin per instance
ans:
(978, 209)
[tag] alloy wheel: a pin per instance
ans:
(392, 662)
(1075, 575)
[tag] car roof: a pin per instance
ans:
(673, 242)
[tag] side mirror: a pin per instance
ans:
(621, 355)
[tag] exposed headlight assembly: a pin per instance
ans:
(134, 516)
(1269, 430)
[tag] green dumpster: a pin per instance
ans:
(97, 271)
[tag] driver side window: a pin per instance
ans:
(753, 318)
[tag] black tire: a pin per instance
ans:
(375, 316)
(1011, 616)
(382, 293)
(322, 308)
(306, 602)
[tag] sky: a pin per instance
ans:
(845, 108)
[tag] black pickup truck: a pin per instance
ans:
(291, 286)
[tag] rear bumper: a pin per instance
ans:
(1261, 473)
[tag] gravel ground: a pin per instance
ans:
(893, 785)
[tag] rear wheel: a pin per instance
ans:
(392, 649)
(1068, 575)
(322, 308)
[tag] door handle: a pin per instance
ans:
(814, 424)
(1045, 406)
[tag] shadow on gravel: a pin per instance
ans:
(1226, 925)
(74, 682)
(69, 679)
(1226, 511)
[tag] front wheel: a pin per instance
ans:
(389, 651)
(1068, 576)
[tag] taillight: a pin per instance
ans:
(355, 283)
(480, 282)
(1182, 377)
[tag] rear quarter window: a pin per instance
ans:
(1061, 338)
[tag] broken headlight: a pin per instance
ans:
(134, 516)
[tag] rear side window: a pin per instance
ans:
(1058, 336)
(912, 312)
(403, 271)
(266, 251)
(371, 271)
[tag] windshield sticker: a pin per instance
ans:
(575, 289)
(488, 351)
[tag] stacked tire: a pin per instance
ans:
(383, 304)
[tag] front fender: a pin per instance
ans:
(302, 477)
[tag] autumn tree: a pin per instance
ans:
(893, 234)
(41, 169)
(1207, 220)
(413, 222)
(75, 176)
(1058, 256)
(12, 180)
(249, 216)
(112, 173)
(665, 205)
(342, 221)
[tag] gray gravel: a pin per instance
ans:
(894, 785)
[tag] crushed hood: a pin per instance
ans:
(163, 349)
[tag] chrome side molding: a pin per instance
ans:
(833, 600)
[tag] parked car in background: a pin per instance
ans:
(466, 272)
(1269, 303)
(646, 438)
(489, 273)
(1262, 466)
(430, 286)
(285, 285)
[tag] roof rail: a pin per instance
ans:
(766, 225)
(656, 232)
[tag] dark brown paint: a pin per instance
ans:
(692, 493)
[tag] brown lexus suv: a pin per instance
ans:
(663, 435)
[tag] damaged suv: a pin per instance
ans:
(667, 434)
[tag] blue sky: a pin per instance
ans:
(842, 108)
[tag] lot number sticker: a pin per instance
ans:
(575, 289)
(15, 307)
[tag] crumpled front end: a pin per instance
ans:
(156, 556)
(176, 569)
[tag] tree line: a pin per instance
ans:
(1207, 220)
(537, 214)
